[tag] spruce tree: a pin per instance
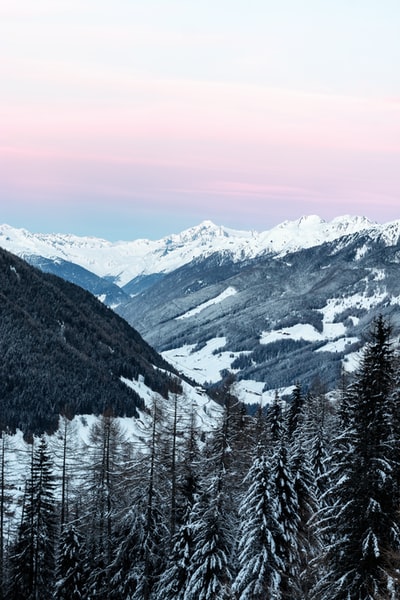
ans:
(259, 566)
(294, 412)
(70, 571)
(173, 581)
(210, 570)
(275, 420)
(362, 519)
(287, 515)
(33, 557)
(308, 541)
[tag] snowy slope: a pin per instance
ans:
(124, 260)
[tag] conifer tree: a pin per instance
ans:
(101, 500)
(173, 581)
(287, 515)
(362, 520)
(308, 541)
(259, 566)
(294, 412)
(70, 568)
(33, 557)
(141, 534)
(214, 515)
(275, 420)
(210, 570)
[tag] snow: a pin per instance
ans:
(338, 345)
(192, 399)
(361, 252)
(136, 430)
(230, 291)
(202, 365)
(122, 261)
(335, 306)
(251, 392)
(297, 332)
(351, 361)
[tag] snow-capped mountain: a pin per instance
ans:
(121, 262)
(285, 305)
(275, 318)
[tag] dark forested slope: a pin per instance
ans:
(62, 350)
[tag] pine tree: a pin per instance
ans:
(362, 521)
(308, 541)
(33, 558)
(70, 572)
(210, 571)
(173, 581)
(275, 420)
(214, 515)
(259, 566)
(126, 572)
(287, 515)
(294, 412)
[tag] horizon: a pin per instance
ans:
(195, 225)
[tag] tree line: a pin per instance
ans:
(298, 502)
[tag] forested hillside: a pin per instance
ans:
(278, 319)
(63, 352)
(300, 502)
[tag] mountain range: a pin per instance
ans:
(287, 305)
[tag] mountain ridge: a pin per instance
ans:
(121, 262)
(286, 305)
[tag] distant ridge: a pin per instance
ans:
(285, 305)
(121, 262)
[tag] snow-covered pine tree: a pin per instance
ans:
(210, 570)
(214, 515)
(259, 566)
(173, 581)
(362, 521)
(294, 412)
(308, 540)
(70, 568)
(126, 571)
(275, 422)
(287, 515)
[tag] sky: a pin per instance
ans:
(130, 119)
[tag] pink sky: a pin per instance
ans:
(127, 121)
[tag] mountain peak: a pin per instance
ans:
(120, 262)
(307, 220)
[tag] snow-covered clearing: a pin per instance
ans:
(251, 392)
(202, 365)
(338, 345)
(230, 291)
(297, 332)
